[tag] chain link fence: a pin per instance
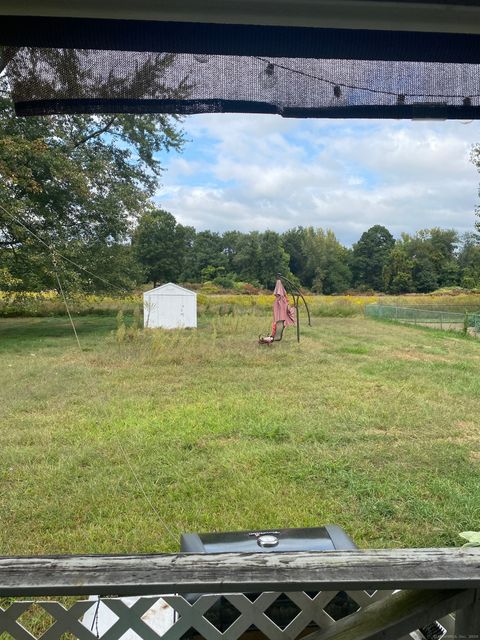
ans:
(467, 321)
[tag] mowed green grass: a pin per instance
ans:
(123, 446)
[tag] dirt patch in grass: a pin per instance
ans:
(468, 431)
(376, 432)
(418, 356)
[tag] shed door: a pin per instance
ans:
(172, 311)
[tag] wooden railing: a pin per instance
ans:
(394, 593)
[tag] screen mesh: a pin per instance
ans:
(291, 72)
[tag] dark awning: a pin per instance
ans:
(62, 64)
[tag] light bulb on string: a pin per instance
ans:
(338, 99)
(267, 77)
(467, 102)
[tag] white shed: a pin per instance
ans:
(170, 307)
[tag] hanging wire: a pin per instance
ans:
(149, 502)
(335, 83)
(55, 268)
(122, 450)
(60, 255)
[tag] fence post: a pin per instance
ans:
(441, 320)
(467, 620)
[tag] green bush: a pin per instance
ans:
(226, 282)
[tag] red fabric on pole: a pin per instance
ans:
(281, 309)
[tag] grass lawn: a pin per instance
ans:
(368, 425)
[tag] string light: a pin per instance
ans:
(400, 98)
(267, 77)
(338, 99)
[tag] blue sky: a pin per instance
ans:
(260, 172)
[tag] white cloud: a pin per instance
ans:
(258, 172)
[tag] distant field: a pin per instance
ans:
(369, 425)
(49, 303)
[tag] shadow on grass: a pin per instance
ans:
(23, 332)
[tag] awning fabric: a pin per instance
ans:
(75, 65)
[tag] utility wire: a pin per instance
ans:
(166, 527)
(55, 268)
(60, 255)
(122, 450)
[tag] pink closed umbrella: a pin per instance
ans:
(284, 314)
(281, 309)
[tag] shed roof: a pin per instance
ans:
(172, 289)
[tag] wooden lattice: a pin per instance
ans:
(172, 617)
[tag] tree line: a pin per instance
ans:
(428, 260)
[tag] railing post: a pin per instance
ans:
(467, 620)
